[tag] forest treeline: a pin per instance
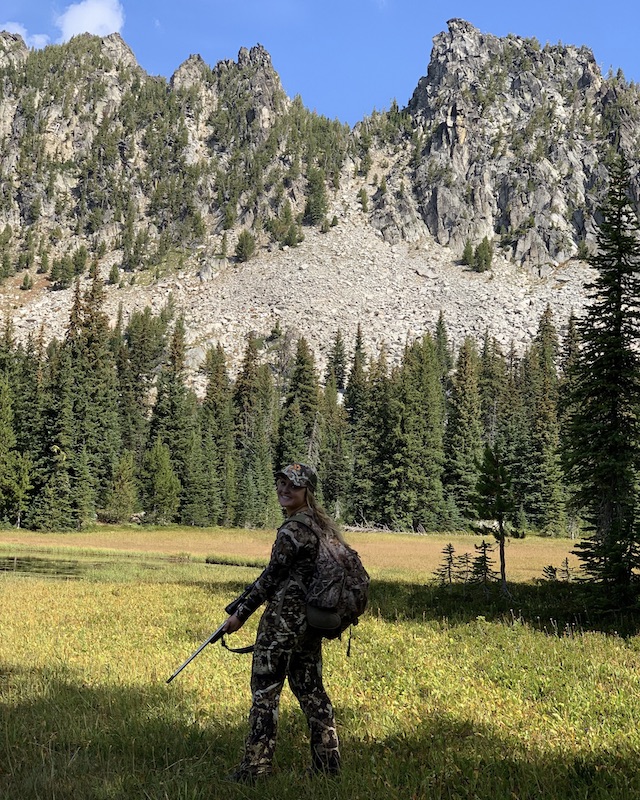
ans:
(104, 425)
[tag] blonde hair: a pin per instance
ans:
(328, 525)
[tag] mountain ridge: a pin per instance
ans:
(502, 140)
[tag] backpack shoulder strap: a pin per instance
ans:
(302, 518)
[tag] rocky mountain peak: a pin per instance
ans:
(119, 51)
(190, 73)
(13, 50)
(513, 135)
(504, 140)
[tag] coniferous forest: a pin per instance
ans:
(103, 425)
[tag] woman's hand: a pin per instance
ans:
(233, 624)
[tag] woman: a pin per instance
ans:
(285, 646)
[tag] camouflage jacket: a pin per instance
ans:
(285, 579)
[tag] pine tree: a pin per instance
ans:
(257, 504)
(255, 404)
(547, 493)
(334, 451)
(337, 363)
(52, 506)
(139, 352)
(8, 454)
(300, 411)
(83, 499)
(122, 497)
(218, 443)
(370, 445)
(602, 445)
(161, 486)
(95, 398)
(414, 465)
(174, 422)
(356, 385)
(463, 437)
(494, 501)
(493, 389)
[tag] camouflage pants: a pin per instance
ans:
(274, 659)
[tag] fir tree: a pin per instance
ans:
(217, 427)
(494, 501)
(602, 445)
(356, 390)
(95, 397)
(463, 437)
(334, 451)
(370, 444)
(8, 454)
(122, 497)
(174, 422)
(492, 385)
(546, 494)
(298, 434)
(415, 497)
(161, 486)
(337, 363)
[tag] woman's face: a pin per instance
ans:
(292, 498)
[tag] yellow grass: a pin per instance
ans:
(385, 553)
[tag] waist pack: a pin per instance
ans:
(339, 590)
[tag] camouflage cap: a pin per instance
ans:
(299, 475)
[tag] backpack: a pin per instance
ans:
(339, 590)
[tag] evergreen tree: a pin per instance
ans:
(443, 349)
(463, 437)
(52, 506)
(83, 501)
(300, 411)
(337, 363)
(356, 388)
(255, 404)
(547, 494)
(139, 351)
(494, 501)
(218, 443)
(492, 384)
(8, 455)
(95, 396)
(513, 439)
(602, 444)
(257, 500)
(122, 497)
(245, 246)
(334, 452)
(174, 422)
(317, 203)
(414, 465)
(160, 484)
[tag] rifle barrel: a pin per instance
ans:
(217, 634)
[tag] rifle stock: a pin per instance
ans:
(216, 635)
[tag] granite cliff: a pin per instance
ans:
(503, 140)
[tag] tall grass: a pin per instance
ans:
(447, 693)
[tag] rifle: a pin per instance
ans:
(218, 634)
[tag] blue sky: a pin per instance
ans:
(343, 58)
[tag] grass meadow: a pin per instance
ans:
(449, 692)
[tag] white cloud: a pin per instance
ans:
(100, 17)
(36, 40)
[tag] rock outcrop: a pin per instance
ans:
(503, 140)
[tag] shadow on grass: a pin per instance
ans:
(78, 742)
(556, 607)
